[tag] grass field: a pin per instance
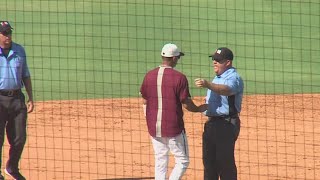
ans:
(93, 49)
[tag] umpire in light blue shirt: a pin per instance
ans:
(224, 98)
(14, 75)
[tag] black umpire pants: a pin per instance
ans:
(13, 119)
(219, 138)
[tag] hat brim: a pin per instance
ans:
(218, 59)
(181, 54)
(7, 29)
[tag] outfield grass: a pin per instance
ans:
(95, 48)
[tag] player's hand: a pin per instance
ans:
(30, 106)
(203, 107)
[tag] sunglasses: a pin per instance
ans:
(220, 61)
(6, 33)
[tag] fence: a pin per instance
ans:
(88, 58)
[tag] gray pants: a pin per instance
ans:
(219, 138)
(13, 119)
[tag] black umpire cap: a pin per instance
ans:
(222, 53)
(5, 27)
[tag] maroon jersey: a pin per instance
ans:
(164, 89)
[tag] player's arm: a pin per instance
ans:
(143, 92)
(144, 107)
(190, 106)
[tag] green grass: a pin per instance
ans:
(102, 49)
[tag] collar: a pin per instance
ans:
(10, 49)
(226, 73)
(165, 66)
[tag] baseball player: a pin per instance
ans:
(165, 91)
(224, 98)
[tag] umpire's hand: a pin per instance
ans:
(201, 83)
(30, 106)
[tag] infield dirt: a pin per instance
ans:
(108, 139)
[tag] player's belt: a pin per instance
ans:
(10, 93)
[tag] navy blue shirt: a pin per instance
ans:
(218, 104)
(13, 68)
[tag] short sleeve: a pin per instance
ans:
(143, 88)
(184, 92)
(25, 68)
(235, 84)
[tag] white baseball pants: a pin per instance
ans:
(178, 146)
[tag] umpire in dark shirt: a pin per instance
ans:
(14, 75)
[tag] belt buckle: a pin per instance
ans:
(228, 119)
(232, 120)
(10, 93)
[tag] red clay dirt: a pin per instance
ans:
(108, 139)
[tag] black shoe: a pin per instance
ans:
(14, 175)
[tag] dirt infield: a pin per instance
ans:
(108, 139)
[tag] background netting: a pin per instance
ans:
(88, 59)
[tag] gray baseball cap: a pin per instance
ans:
(171, 50)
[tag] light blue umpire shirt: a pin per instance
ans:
(13, 68)
(218, 104)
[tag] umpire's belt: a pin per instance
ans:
(230, 119)
(10, 93)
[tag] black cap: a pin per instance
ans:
(5, 27)
(222, 53)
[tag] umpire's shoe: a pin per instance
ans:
(14, 175)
